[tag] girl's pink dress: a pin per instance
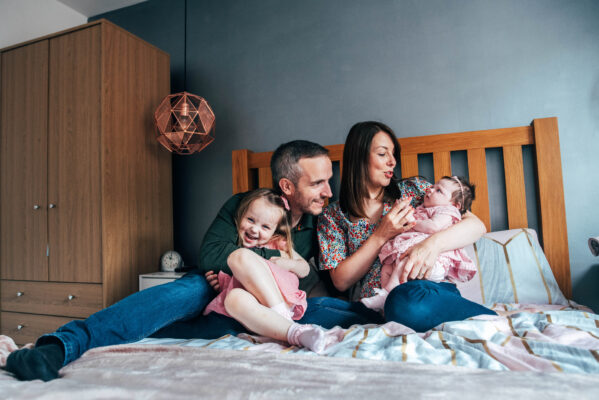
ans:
(287, 282)
(454, 266)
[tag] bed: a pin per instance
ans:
(545, 346)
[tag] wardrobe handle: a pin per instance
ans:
(19, 294)
(36, 207)
(51, 205)
(70, 297)
(19, 327)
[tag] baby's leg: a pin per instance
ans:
(438, 272)
(254, 274)
(246, 309)
(386, 272)
(377, 302)
(396, 270)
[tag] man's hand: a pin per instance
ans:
(420, 261)
(212, 279)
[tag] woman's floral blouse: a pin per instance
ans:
(339, 238)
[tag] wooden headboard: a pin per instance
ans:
(252, 170)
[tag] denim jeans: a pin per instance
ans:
(324, 311)
(174, 310)
(135, 317)
(422, 305)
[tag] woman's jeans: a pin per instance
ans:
(422, 305)
(174, 310)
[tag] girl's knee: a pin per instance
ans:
(236, 300)
(238, 258)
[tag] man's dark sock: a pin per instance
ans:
(42, 362)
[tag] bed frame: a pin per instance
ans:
(252, 170)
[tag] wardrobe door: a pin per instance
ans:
(74, 157)
(23, 161)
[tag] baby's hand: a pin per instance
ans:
(212, 279)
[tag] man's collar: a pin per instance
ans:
(306, 222)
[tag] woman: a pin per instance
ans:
(351, 233)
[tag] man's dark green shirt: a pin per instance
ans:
(221, 239)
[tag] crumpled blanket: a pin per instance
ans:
(542, 341)
(7, 346)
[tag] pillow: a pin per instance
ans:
(512, 268)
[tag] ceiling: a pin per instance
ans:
(90, 8)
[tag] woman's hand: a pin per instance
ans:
(422, 257)
(420, 261)
(398, 220)
(212, 279)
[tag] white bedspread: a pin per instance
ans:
(548, 349)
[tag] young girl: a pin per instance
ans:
(443, 206)
(263, 295)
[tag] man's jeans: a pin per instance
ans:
(174, 310)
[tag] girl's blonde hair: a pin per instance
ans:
(283, 229)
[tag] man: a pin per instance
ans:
(301, 170)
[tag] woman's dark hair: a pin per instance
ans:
(354, 179)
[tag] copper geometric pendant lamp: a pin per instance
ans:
(185, 122)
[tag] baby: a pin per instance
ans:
(443, 206)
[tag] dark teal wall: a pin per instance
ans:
(276, 70)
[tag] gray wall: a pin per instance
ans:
(276, 70)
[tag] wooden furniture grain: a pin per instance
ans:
(249, 172)
(85, 189)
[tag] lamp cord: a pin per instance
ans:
(185, 47)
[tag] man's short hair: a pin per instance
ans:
(284, 161)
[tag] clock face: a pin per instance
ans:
(170, 261)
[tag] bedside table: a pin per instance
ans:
(157, 278)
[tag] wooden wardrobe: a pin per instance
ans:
(85, 189)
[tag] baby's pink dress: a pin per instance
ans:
(454, 266)
(288, 284)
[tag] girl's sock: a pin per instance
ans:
(283, 310)
(42, 362)
(313, 337)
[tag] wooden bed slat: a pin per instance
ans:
(514, 187)
(442, 164)
(543, 134)
(551, 199)
(242, 177)
(264, 177)
(409, 165)
(522, 135)
(477, 174)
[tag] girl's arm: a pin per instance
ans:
(421, 257)
(353, 268)
(297, 264)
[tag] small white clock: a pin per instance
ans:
(170, 261)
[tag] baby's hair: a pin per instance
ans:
(283, 228)
(464, 195)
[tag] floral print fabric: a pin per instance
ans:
(339, 237)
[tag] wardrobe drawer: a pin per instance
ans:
(26, 328)
(64, 299)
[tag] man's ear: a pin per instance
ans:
(287, 187)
